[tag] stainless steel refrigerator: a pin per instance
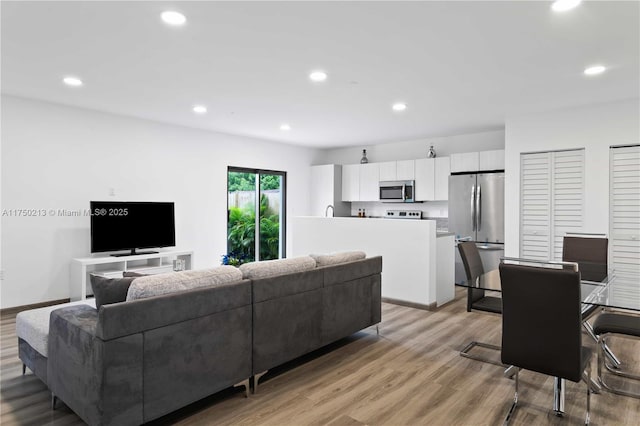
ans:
(476, 213)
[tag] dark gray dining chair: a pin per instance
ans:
(617, 325)
(590, 252)
(476, 297)
(541, 324)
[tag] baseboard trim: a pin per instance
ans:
(16, 309)
(430, 307)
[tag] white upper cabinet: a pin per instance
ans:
(351, 182)
(432, 179)
(388, 170)
(397, 170)
(477, 161)
(492, 160)
(370, 182)
(424, 176)
(405, 170)
(441, 181)
(465, 162)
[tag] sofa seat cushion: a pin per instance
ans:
(32, 326)
(271, 268)
(172, 282)
(338, 258)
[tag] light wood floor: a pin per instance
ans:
(411, 374)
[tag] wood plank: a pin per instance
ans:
(411, 374)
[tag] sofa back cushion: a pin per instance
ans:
(271, 268)
(337, 258)
(156, 285)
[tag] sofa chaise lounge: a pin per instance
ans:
(134, 361)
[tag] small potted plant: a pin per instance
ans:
(233, 259)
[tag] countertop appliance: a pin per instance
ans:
(476, 213)
(398, 191)
(404, 214)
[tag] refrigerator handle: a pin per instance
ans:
(473, 212)
(478, 208)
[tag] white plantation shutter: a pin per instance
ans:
(624, 216)
(567, 197)
(535, 184)
(552, 200)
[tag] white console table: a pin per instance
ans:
(114, 266)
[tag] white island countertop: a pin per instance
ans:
(417, 262)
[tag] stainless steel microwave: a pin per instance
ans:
(397, 191)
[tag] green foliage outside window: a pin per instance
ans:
(247, 182)
(242, 231)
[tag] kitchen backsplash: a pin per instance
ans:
(437, 210)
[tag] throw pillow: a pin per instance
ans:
(337, 258)
(109, 290)
(270, 268)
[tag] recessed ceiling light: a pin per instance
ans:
(399, 106)
(318, 76)
(199, 109)
(594, 70)
(564, 5)
(285, 127)
(72, 81)
(172, 17)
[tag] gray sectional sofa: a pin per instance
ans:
(135, 361)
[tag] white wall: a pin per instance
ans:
(57, 157)
(410, 150)
(594, 128)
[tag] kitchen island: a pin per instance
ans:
(417, 261)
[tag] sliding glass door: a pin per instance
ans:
(256, 206)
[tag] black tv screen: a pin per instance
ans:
(125, 225)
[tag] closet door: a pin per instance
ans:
(551, 201)
(567, 197)
(624, 215)
(535, 205)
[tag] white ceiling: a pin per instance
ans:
(460, 66)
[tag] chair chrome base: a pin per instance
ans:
(613, 369)
(558, 395)
(465, 352)
(607, 351)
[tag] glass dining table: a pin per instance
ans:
(614, 291)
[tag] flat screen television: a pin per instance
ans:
(131, 225)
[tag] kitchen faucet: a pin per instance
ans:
(326, 211)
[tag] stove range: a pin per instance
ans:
(404, 214)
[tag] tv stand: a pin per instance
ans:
(114, 266)
(133, 253)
